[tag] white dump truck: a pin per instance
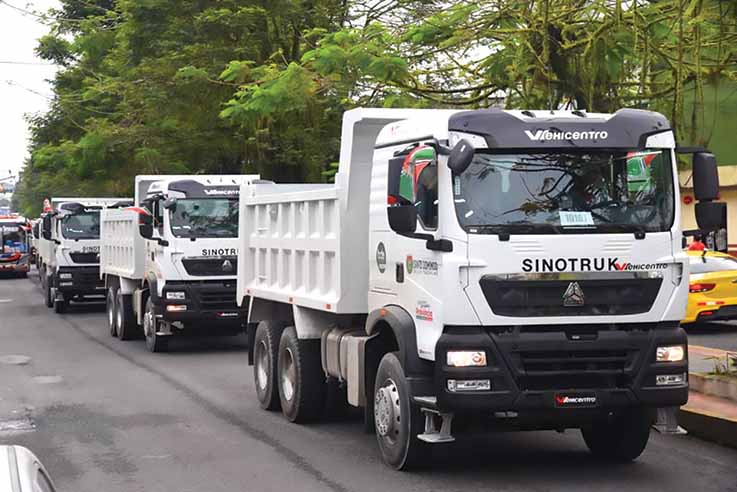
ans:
(69, 250)
(169, 263)
(479, 269)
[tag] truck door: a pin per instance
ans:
(413, 271)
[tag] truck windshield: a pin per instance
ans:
(205, 217)
(83, 225)
(566, 191)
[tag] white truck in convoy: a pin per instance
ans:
(168, 264)
(69, 250)
(502, 269)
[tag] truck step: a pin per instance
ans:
(432, 434)
(667, 422)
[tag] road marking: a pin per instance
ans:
(2, 301)
(48, 379)
(15, 360)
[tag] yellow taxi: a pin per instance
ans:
(712, 288)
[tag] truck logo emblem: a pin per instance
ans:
(227, 266)
(573, 295)
(381, 257)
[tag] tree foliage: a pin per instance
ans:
(163, 86)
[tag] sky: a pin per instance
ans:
(18, 80)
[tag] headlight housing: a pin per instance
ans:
(671, 353)
(466, 358)
(175, 296)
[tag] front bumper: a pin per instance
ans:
(210, 300)
(83, 280)
(556, 369)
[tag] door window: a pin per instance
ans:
(419, 184)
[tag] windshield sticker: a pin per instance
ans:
(546, 135)
(420, 266)
(423, 311)
(576, 219)
(543, 265)
(222, 191)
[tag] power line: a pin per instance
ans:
(12, 62)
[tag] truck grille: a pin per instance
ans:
(602, 297)
(214, 301)
(574, 369)
(85, 257)
(211, 267)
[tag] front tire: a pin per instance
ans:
(110, 309)
(125, 324)
(60, 306)
(397, 421)
(622, 439)
(154, 342)
(265, 356)
(301, 378)
(48, 295)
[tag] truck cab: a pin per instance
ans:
(178, 275)
(70, 246)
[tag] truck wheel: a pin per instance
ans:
(60, 306)
(154, 342)
(301, 379)
(110, 307)
(621, 440)
(48, 295)
(125, 324)
(397, 421)
(265, 353)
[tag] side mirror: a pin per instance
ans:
(170, 203)
(460, 157)
(402, 218)
(46, 228)
(146, 226)
(705, 177)
(711, 215)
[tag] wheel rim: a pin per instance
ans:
(387, 411)
(110, 311)
(288, 374)
(148, 323)
(120, 319)
(262, 364)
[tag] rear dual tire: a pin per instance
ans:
(265, 355)
(302, 386)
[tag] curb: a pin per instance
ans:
(709, 426)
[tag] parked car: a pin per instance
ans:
(22, 471)
(712, 290)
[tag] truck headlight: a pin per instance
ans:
(672, 353)
(175, 296)
(466, 358)
(65, 276)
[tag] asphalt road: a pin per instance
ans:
(721, 335)
(109, 416)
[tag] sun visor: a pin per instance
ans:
(625, 129)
